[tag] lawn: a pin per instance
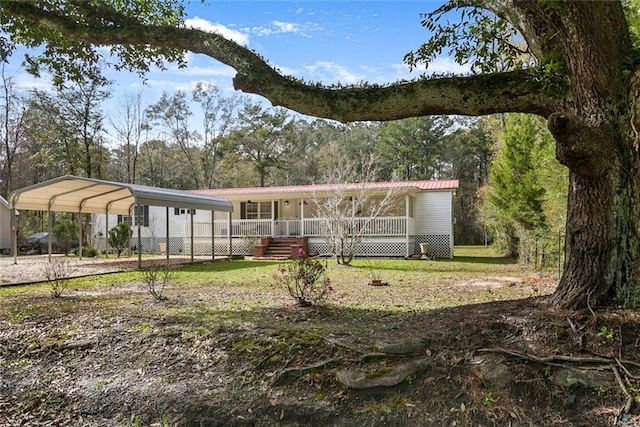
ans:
(224, 346)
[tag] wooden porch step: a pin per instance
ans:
(279, 248)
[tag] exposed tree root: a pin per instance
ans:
(598, 361)
(282, 375)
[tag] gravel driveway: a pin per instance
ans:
(31, 268)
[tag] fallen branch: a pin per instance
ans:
(627, 407)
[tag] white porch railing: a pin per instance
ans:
(382, 226)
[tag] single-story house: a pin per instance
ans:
(422, 212)
(5, 226)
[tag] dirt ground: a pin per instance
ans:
(507, 363)
(32, 268)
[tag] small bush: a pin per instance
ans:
(304, 279)
(58, 273)
(89, 252)
(119, 237)
(156, 278)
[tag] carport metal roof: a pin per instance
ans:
(85, 195)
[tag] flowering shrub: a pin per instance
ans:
(304, 279)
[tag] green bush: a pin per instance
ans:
(119, 237)
(304, 279)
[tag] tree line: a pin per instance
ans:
(204, 139)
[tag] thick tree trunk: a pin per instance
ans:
(603, 217)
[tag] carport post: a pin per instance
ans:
(80, 235)
(49, 227)
(138, 210)
(229, 234)
(167, 233)
(106, 233)
(192, 237)
(14, 235)
(213, 238)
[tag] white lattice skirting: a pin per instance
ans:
(438, 245)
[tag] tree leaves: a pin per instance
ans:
(482, 40)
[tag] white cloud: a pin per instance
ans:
(440, 65)
(329, 72)
(24, 81)
(226, 32)
(280, 27)
(218, 71)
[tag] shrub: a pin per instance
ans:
(156, 278)
(304, 279)
(119, 237)
(89, 252)
(58, 273)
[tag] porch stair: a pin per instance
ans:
(277, 248)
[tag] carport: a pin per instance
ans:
(92, 196)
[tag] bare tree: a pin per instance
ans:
(129, 125)
(349, 209)
(11, 130)
(219, 117)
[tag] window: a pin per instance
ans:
(140, 211)
(182, 211)
(256, 210)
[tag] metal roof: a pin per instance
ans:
(431, 185)
(86, 195)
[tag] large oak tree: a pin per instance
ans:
(584, 78)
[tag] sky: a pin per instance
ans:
(326, 41)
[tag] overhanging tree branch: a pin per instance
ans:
(516, 91)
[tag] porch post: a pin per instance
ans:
(273, 218)
(302, 217)
(407, 206)
(229, 234)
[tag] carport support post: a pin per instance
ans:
(138, 210)
(80, 235)
(213, 233)
(49, 227)
(106, 233)
(167, 232)
(14, 235)
(229, 234)
(192, 237)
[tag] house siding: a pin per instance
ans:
(430, 222)
(434, 222)
(5, 226)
